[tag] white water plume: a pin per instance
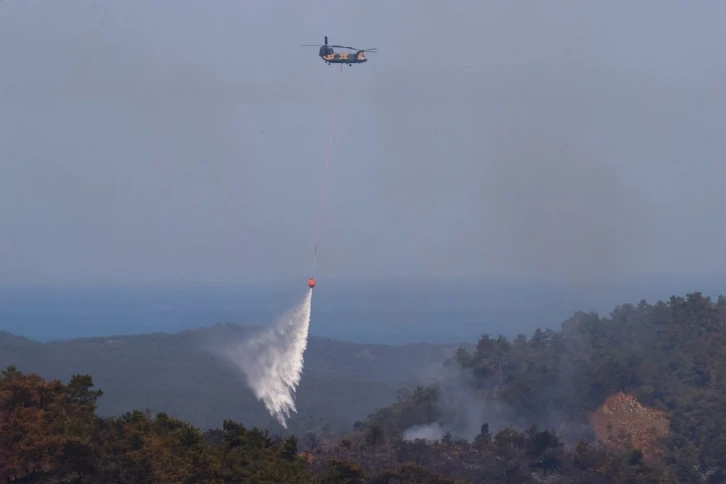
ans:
(273, 360)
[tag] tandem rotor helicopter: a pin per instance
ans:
(331, 57)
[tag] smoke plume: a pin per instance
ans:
(432, 432)
(462, 409)
(273, 360)
(465, 402)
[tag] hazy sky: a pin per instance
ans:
(170, 141)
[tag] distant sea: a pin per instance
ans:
(375, 312)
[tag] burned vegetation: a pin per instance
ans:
(636, 397)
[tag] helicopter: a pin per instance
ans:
(331, 57)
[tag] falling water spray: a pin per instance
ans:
(273, 360)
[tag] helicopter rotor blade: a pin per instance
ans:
(355, 48)
(374, 50)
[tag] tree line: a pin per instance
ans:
(668, 355)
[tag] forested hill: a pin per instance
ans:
(649, 378)
(179, 374)
(50, 433)
(636, 397)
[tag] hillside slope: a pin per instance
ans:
(177, 373)
(650, 378)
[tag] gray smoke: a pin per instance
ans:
(463, 409)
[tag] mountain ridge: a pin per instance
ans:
(179, 373)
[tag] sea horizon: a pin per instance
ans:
(379, 312)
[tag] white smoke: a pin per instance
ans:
(273, 360)
(432, 432)
(462, 409)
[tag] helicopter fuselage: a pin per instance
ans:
(332, 57)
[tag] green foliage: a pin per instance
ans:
(507, 456)
(79, 391)
(412, 474)
(669, 355)
(375, 435)
(176, 373)
(345, 472)
(51, 433)
(289, 448)
(418, 408)
(484, 437)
